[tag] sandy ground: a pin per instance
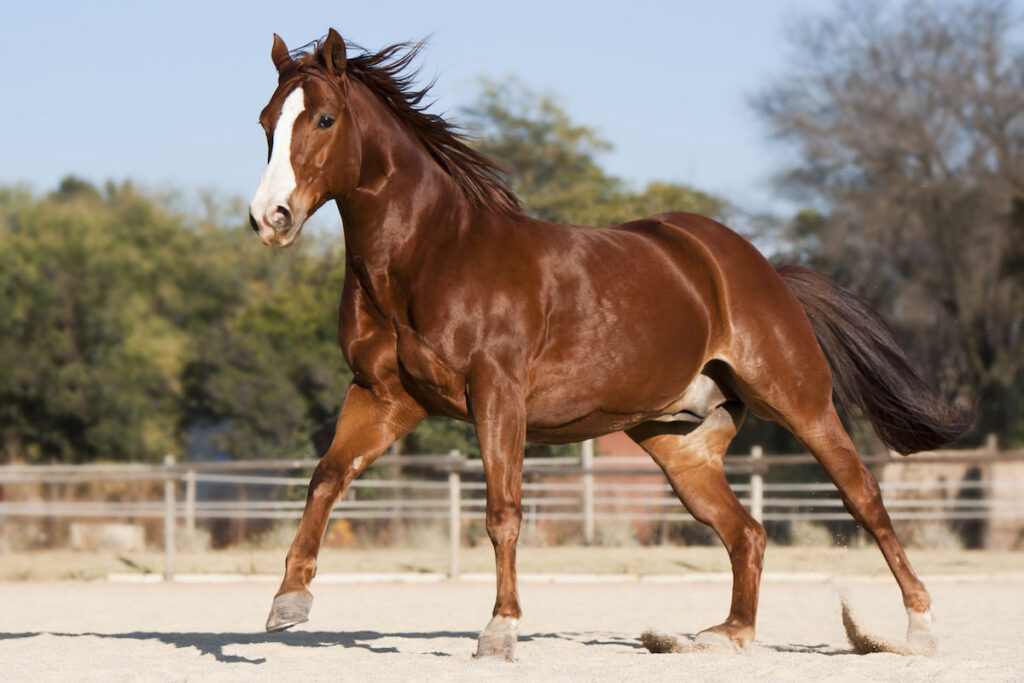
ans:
(99, 630)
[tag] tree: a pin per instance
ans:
(908, 127)
(90, 352)
(125, 326)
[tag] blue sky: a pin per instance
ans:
(168, 94)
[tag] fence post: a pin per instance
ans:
(396, 495)
(455, 460)
(169, 519)
(756, 485)
(190, 505)
(587, 462)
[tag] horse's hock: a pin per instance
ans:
(974, 490)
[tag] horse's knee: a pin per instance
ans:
(503, 521)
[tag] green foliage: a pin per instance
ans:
(272, 368)
(91, 353)
(124, 323)
(440, 435)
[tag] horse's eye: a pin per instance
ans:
(325, 122)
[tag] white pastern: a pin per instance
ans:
(500, 624)
(278, 180)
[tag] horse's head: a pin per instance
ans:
(313, 153)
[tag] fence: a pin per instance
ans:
(975, 485)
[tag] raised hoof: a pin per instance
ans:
(498, 641)
(288, 610)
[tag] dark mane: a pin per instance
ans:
(385, 74)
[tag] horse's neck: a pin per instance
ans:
(402, 192)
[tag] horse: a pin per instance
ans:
(458, 303)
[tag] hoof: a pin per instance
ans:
(289, 609)
(498, 641)
(714, 641)
(920, 638)
(727, 637)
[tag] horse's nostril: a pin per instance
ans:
(282, 216)
(253, 223)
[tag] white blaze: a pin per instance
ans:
(278, 180)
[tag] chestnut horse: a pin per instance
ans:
(457, 303)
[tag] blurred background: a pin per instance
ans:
(880, 142)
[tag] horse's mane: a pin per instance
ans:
(386, 75)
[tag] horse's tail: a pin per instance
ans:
(870, 371)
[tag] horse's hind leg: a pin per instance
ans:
(691, 458)
(826, 438)
(366, 426)
(799, 397)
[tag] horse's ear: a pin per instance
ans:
(279, 53)
(333, 52)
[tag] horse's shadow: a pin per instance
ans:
(214, 644)
(820, 649)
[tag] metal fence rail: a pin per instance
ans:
(587, 490)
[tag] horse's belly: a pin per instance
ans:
(566, 405)
(697, 399)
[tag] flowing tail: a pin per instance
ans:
(869, 369)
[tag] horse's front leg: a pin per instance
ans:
(366, 427)
(500, 416)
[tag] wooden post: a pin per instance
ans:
(241, 523)
(396, 496)
(990, 526)
(587, 463)
(170, 518)
(756, 485)
(190, 504)
(454, 512)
